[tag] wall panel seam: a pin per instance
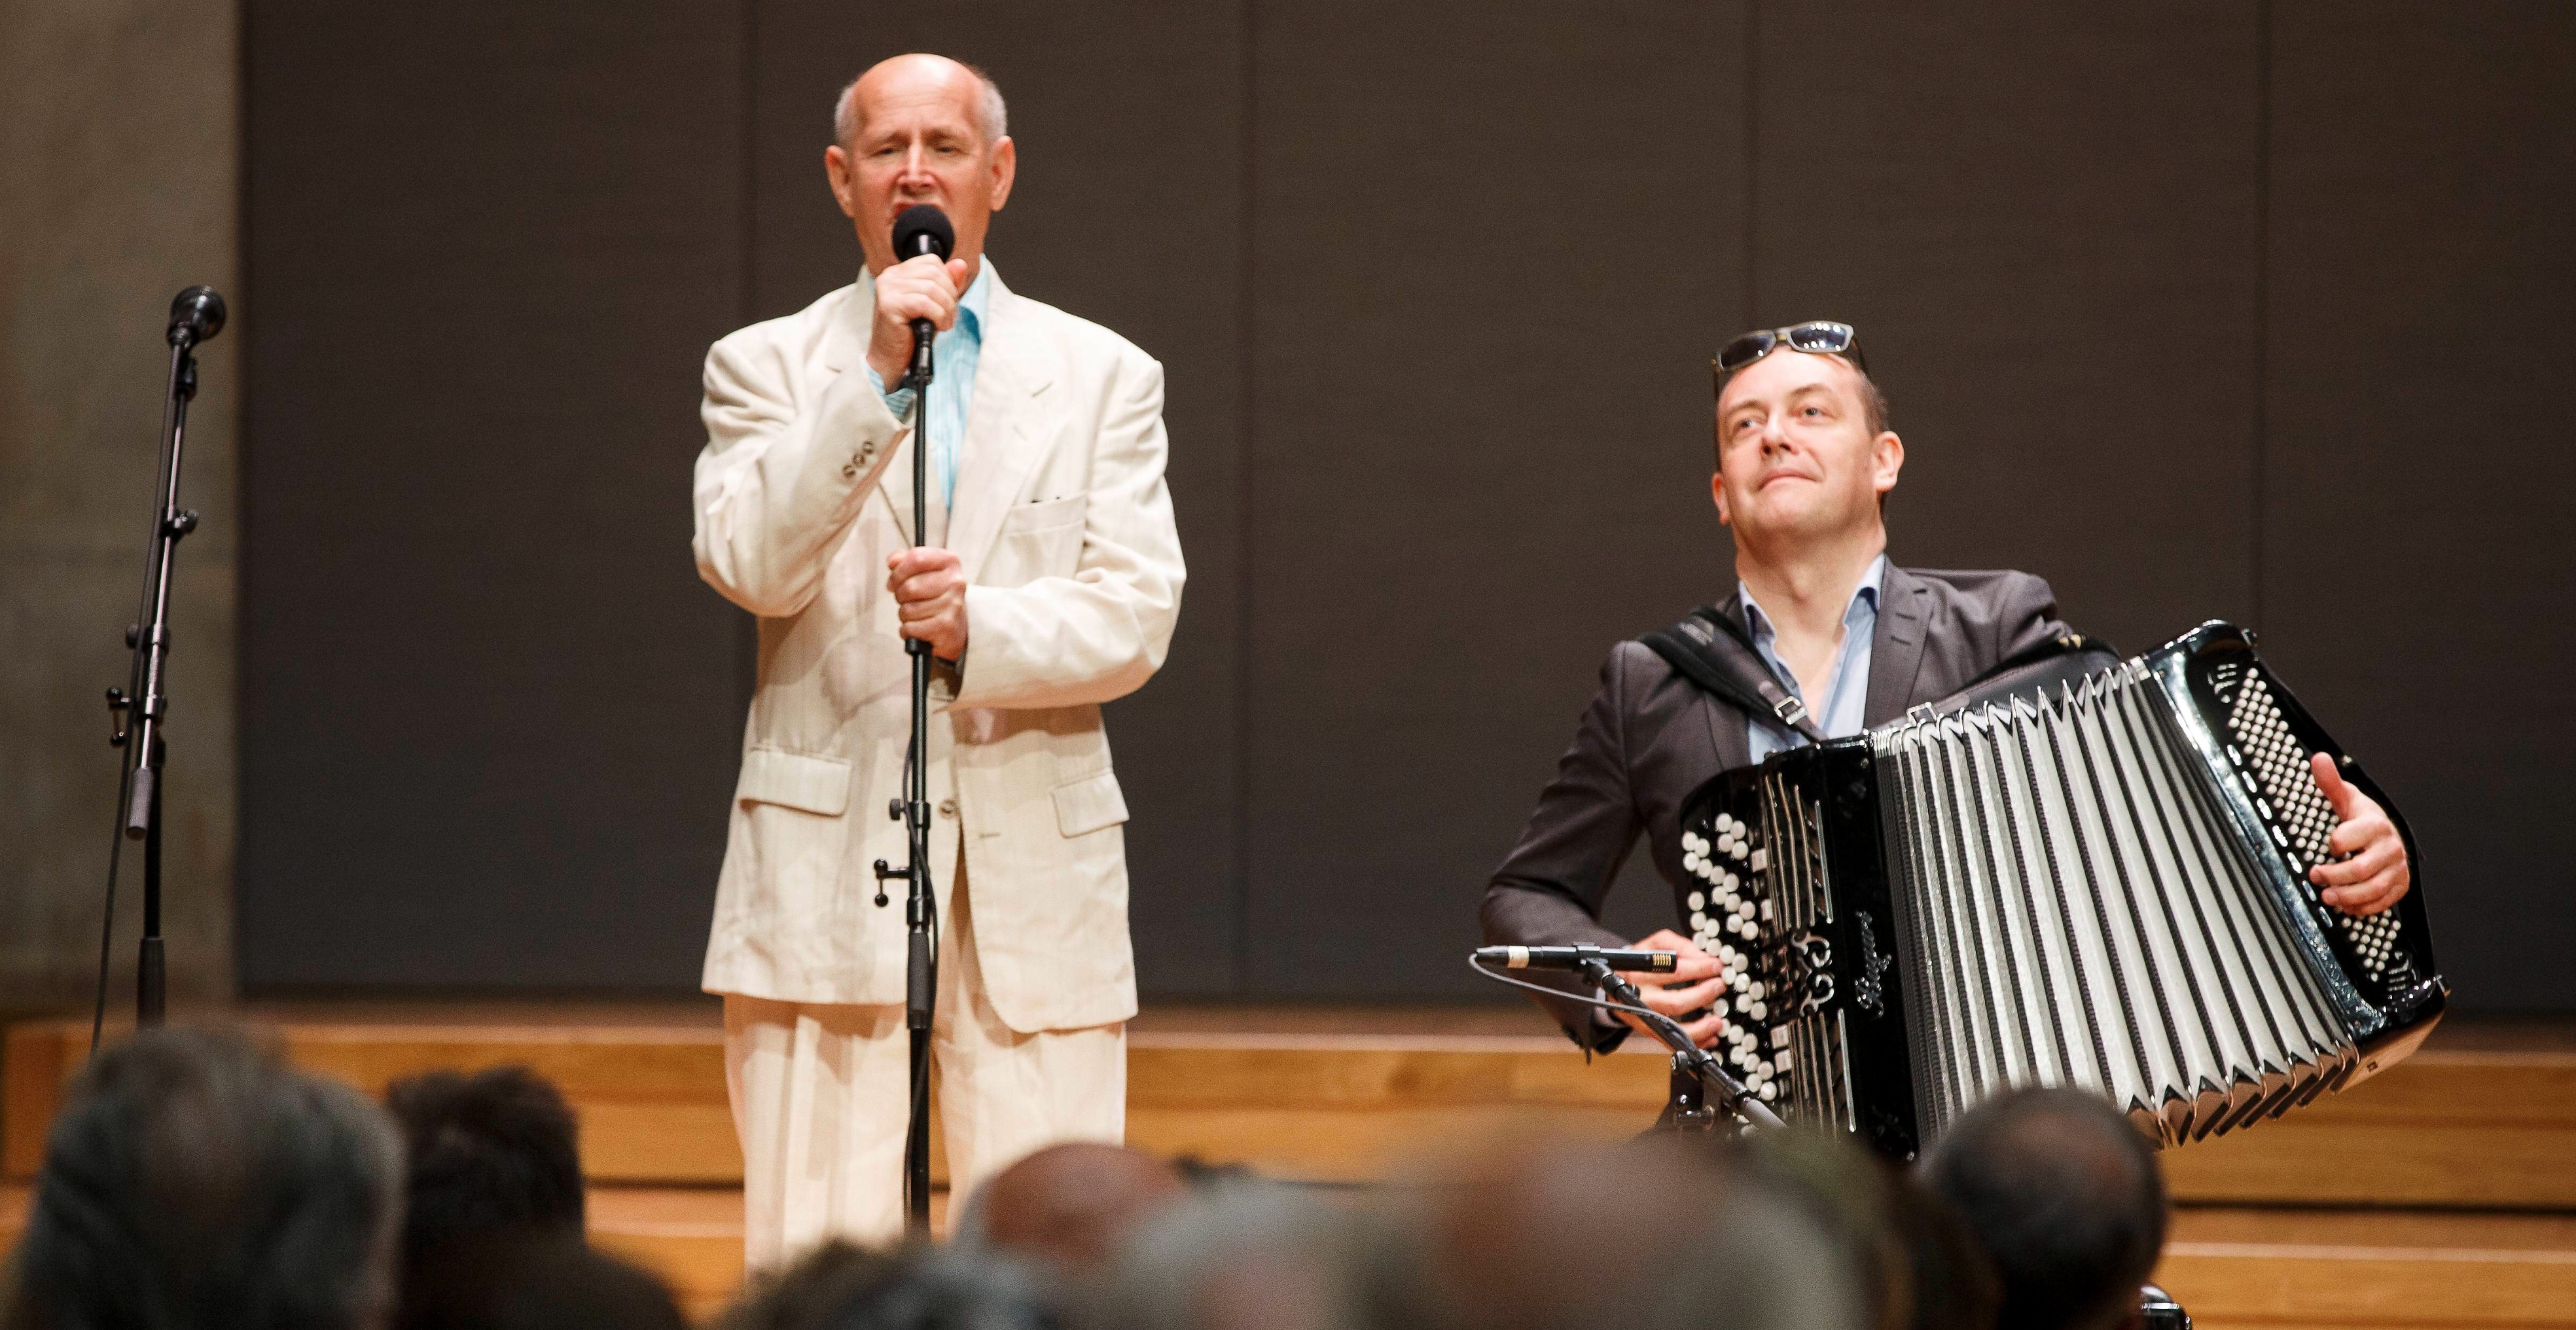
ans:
(1752, 160)
(2261, 443)
(1246, 520)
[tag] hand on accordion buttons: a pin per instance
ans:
(1693, 984)
(2375, 875)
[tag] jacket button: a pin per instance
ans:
(948, 808)
(849, 473)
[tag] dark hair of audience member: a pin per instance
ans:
(841, 1287)
(806, 1293)
(1917, 1264)
(2065, 1197)
(529, 1279)
(494, 1151)
(1955, 1284)
(194, 1182)
(938, 1288)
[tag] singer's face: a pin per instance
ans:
(919, 141)
(1795, 456)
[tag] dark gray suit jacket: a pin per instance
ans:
(1651, 737)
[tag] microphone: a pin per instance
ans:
(196, 316)
(918, 230)
(1568, 958)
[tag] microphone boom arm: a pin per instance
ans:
(1693, 1066)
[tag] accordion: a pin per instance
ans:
(2100, 885)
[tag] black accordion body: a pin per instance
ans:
(2103, 885)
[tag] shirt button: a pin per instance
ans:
(849, 473)
(948, 808)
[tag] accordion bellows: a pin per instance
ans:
(2102, 886)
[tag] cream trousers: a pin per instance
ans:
(818, 1096)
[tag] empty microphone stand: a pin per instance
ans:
(138, 709)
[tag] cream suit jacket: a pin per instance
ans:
(1065, 532)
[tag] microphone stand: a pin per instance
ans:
(144, 701)
(1703, 1095)
(920, 910)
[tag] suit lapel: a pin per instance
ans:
(1011, 374)
(1896, 647)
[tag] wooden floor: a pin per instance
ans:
(2443, 1193)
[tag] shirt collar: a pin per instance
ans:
(979, 296)
(1863, 604)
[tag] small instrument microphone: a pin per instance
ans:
(1568, 958)
(918, 230)
(196, 316)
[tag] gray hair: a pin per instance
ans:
(1238, 1256)
(195, 1180)
(992, 117)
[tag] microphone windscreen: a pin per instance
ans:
(199, 310)
(922, 229)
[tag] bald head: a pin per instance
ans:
(1071, 1205)
(922, 76)
(921, 130)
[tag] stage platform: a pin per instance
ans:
(2443, 1193)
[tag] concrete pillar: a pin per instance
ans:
(119, 184)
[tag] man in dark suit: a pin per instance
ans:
(1841, 637)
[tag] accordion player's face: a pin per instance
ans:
(1797, 461)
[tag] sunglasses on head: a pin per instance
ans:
(1817, 337)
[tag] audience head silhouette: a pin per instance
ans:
(491, 1152)
(193, 1182)
(841, 1287)
(1070, 1206)
(1918, 1265)
(526, 1279)
(2064, 1195)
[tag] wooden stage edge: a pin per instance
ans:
(2441, 1193)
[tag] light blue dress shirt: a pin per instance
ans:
(952, 383)
(1846, 694)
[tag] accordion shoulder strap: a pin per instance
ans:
(1710, 650)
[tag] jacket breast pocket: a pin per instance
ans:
(1045, 537)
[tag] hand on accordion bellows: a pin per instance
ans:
(929, 587)
(2375, 876)
(1693, 984)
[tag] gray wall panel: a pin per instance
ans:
(1493, 246)
(2042, 219)
(1128, 211)
(2415, 541)
(487, 714)
(2171, 308)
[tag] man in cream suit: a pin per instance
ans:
(1047, 584)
